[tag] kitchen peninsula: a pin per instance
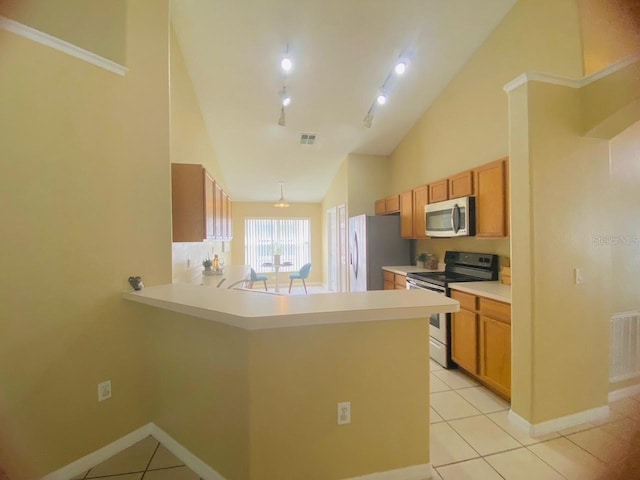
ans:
(272, 369)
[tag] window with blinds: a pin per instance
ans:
(289, 237)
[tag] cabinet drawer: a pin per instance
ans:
(388, 276)
(467, 300)
(497, 310)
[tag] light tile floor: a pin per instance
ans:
(471, 439)
(147, 460)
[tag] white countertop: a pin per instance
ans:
(252, 310)
(494, 290)
(404, 269)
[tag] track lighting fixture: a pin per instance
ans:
(285, 100)
(286, 64)
(399, 69)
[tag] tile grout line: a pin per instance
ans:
(150, 459)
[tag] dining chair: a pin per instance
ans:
(258, 278)
(301, 274)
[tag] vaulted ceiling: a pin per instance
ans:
(342, 50)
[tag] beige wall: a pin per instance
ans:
(624, 235)
(609, 32)
(368, 180)
(467, 125)
(202, 389)
(85, 205)
(568, 178)
(297, 377)
(98, 26)
(190, 143)
(313, 211)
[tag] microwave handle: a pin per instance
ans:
(455, 218)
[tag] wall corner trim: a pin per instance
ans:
(61, 45)
(85, 463)
(569, 82)
(560, 423)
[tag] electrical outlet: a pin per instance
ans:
(344, 413)
(104, 390)
(579, 276)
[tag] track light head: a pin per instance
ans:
(282, 120)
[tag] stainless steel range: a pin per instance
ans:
(459, 267)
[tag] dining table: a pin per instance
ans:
(276, 267)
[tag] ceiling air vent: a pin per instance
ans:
(307, 138)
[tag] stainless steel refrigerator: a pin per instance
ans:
(374, 242)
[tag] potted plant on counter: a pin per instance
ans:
(421, 259)
(207, 264)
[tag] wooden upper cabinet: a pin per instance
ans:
(229, 218)
(406, 214)
(218, 210)
(461, 185)
(392, 204)
(439, 191)
(200, 209)
(191, 203)
(490, 185)
(388, 205)
(209, 209)
(420, 200)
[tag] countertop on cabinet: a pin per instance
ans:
(404, 269)
(253, 310)
(494, 290)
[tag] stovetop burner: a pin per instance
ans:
(462, 267)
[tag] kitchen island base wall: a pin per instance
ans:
(263, 404)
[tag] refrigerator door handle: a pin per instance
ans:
(356, 253)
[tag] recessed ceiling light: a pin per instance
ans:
(382, 99)
(400, 68)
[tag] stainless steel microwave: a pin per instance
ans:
(451, 218)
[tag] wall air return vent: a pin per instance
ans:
(307, 138)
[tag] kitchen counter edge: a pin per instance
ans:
(493, 290)
(404, 269)
(254, 310)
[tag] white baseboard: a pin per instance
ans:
(414, 472)
(624, 393)
(188, 458)
(85, 463)
(561, 423)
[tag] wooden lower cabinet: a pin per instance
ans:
(495, 354)
(406, 214)
(464, 334)
(481, 340)
(394, 281)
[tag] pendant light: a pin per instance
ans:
(282, 203)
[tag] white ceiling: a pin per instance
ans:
(343, 50)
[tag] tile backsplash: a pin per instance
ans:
(187, 258)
